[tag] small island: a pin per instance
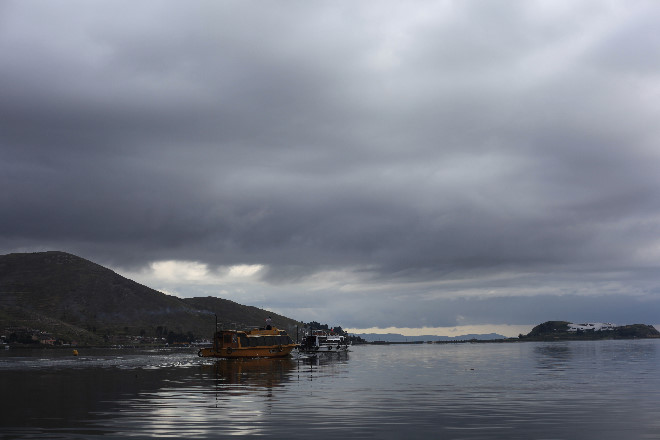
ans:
(564, 330)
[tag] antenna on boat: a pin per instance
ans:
(215, 332)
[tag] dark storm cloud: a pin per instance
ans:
(396, 145)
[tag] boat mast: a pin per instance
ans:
(215, 337)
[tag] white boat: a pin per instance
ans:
(323, 342)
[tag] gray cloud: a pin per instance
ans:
(407, 147)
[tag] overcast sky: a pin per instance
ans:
(359, 163)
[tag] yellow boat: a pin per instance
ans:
(255, 343)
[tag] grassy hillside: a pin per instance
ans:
(558, 330)
(76, 299)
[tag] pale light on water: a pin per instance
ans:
(563, 390)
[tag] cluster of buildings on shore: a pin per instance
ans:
(26, 335)
(595, 326)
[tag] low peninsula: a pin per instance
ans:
(567, 331)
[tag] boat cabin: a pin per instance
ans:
(253, 338)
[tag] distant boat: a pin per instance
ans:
(255, 343)
(323, 342)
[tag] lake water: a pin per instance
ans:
(563, 390)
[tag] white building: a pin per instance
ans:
(595, 326)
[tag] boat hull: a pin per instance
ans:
(247, 352)
(324, 349)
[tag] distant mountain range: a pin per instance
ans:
(547, 331)
(77, 300)
(395, 337)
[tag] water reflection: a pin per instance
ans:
(604, 391)
(267, 373)
(237, 377)
(218, 398)
(554, 356)
(324, 359)
(321, 366)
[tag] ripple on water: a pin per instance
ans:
(468, 391)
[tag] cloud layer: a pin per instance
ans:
(368, 164)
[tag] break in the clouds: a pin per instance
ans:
(370, 164)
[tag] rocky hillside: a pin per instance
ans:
(76, 299)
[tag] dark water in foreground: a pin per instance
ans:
(564, 390)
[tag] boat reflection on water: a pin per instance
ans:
(236, 377)
(267, 372)
(323, 367)
(252, 373)
(322, 359)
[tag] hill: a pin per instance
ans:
(74, 299)
(559, 330)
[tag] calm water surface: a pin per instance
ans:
(563, 390)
